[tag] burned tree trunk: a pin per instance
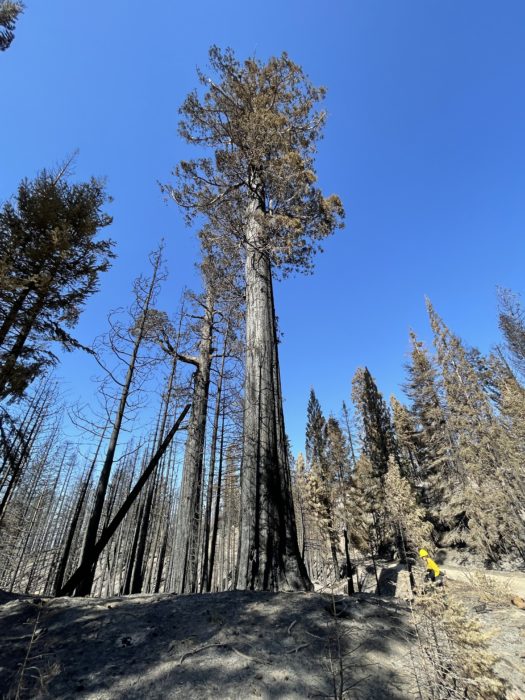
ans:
(269, 557)
(186, 545)
(100, 494)
(86, 567)
(215, 529)
(206, 576)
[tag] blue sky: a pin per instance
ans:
(425, 144)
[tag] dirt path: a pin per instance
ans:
(514, 581)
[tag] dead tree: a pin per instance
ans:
(145, 295)
(87, 567)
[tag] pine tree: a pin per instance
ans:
(50, 264)
(259, 188)
(377, 433)
(187, 524)
(406, 517)
(378, 446)
(315, 431)
(9, 13)
(432, 444)
(512, 325)
(456, 660)
(407, 440)
(490, 513)
(323, 447)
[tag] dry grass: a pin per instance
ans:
(488, 589)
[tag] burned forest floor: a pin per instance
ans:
(235, 644)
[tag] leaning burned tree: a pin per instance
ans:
(259, 188)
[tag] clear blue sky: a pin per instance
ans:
(425, 143)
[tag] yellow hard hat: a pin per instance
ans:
(423, 553)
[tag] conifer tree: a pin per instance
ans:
(377, 433)
(512, 325)
(315, 431)
(326, 465)
(9, 13)
(187, 524)
(407, 440)
(300, 503)
(405, 515)
(432, 444)
(369, 527)
(490, 514)
(261, 124)
(377, 447)
(340, 467)
(50, 264)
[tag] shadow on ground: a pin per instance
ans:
(223, 645)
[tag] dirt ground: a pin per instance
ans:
(224, 645)
(238, 645)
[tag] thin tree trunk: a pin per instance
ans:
(217, 510)
(138, 575)
(15, 309)
(349, 572)
(13, 355)
(211, 476)
(100, 495)
(61, 569)
(85, 569)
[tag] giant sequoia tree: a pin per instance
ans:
(258, 187)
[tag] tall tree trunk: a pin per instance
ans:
(131, 561)
(100, 495)
(215, 530)
(349, 567)
(269, 557)
(12, 356)
(206, 579)
(186, 544)
(138, 574)
(162, 557)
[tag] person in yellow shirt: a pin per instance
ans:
(434, 573)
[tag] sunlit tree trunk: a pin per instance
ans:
(269, 557)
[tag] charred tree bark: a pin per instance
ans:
(138, 574)
(206, 577)
(61, 569)
(269, 557)
(186, 544)
(100, 495)
(213, 547)
(86, 568)
(349, 568)
(12, 315)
